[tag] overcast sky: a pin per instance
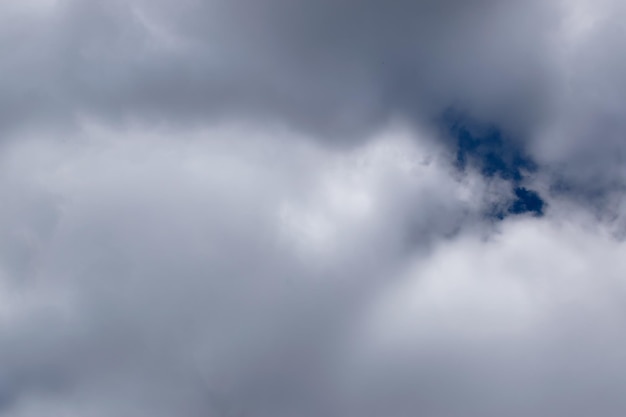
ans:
(312, 208)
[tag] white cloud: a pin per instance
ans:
(163, 262)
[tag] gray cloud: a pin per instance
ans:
(264, 208)
(219, 278)
(546, 73)
(318, 64)
(214, 276)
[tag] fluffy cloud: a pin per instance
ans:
(144, 275)
(306, 208)
(523, 323)
(234, 272)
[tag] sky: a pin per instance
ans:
(312, 208)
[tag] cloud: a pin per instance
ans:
(496, 327)
(217, 271)
(305, 208)
(544, 73)
(237, 271)
(320, 65)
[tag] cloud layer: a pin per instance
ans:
(311, 208)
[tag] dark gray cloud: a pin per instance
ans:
(545, 73)
(311, 208)
(320, 65)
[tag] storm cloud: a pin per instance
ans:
(312, 208)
